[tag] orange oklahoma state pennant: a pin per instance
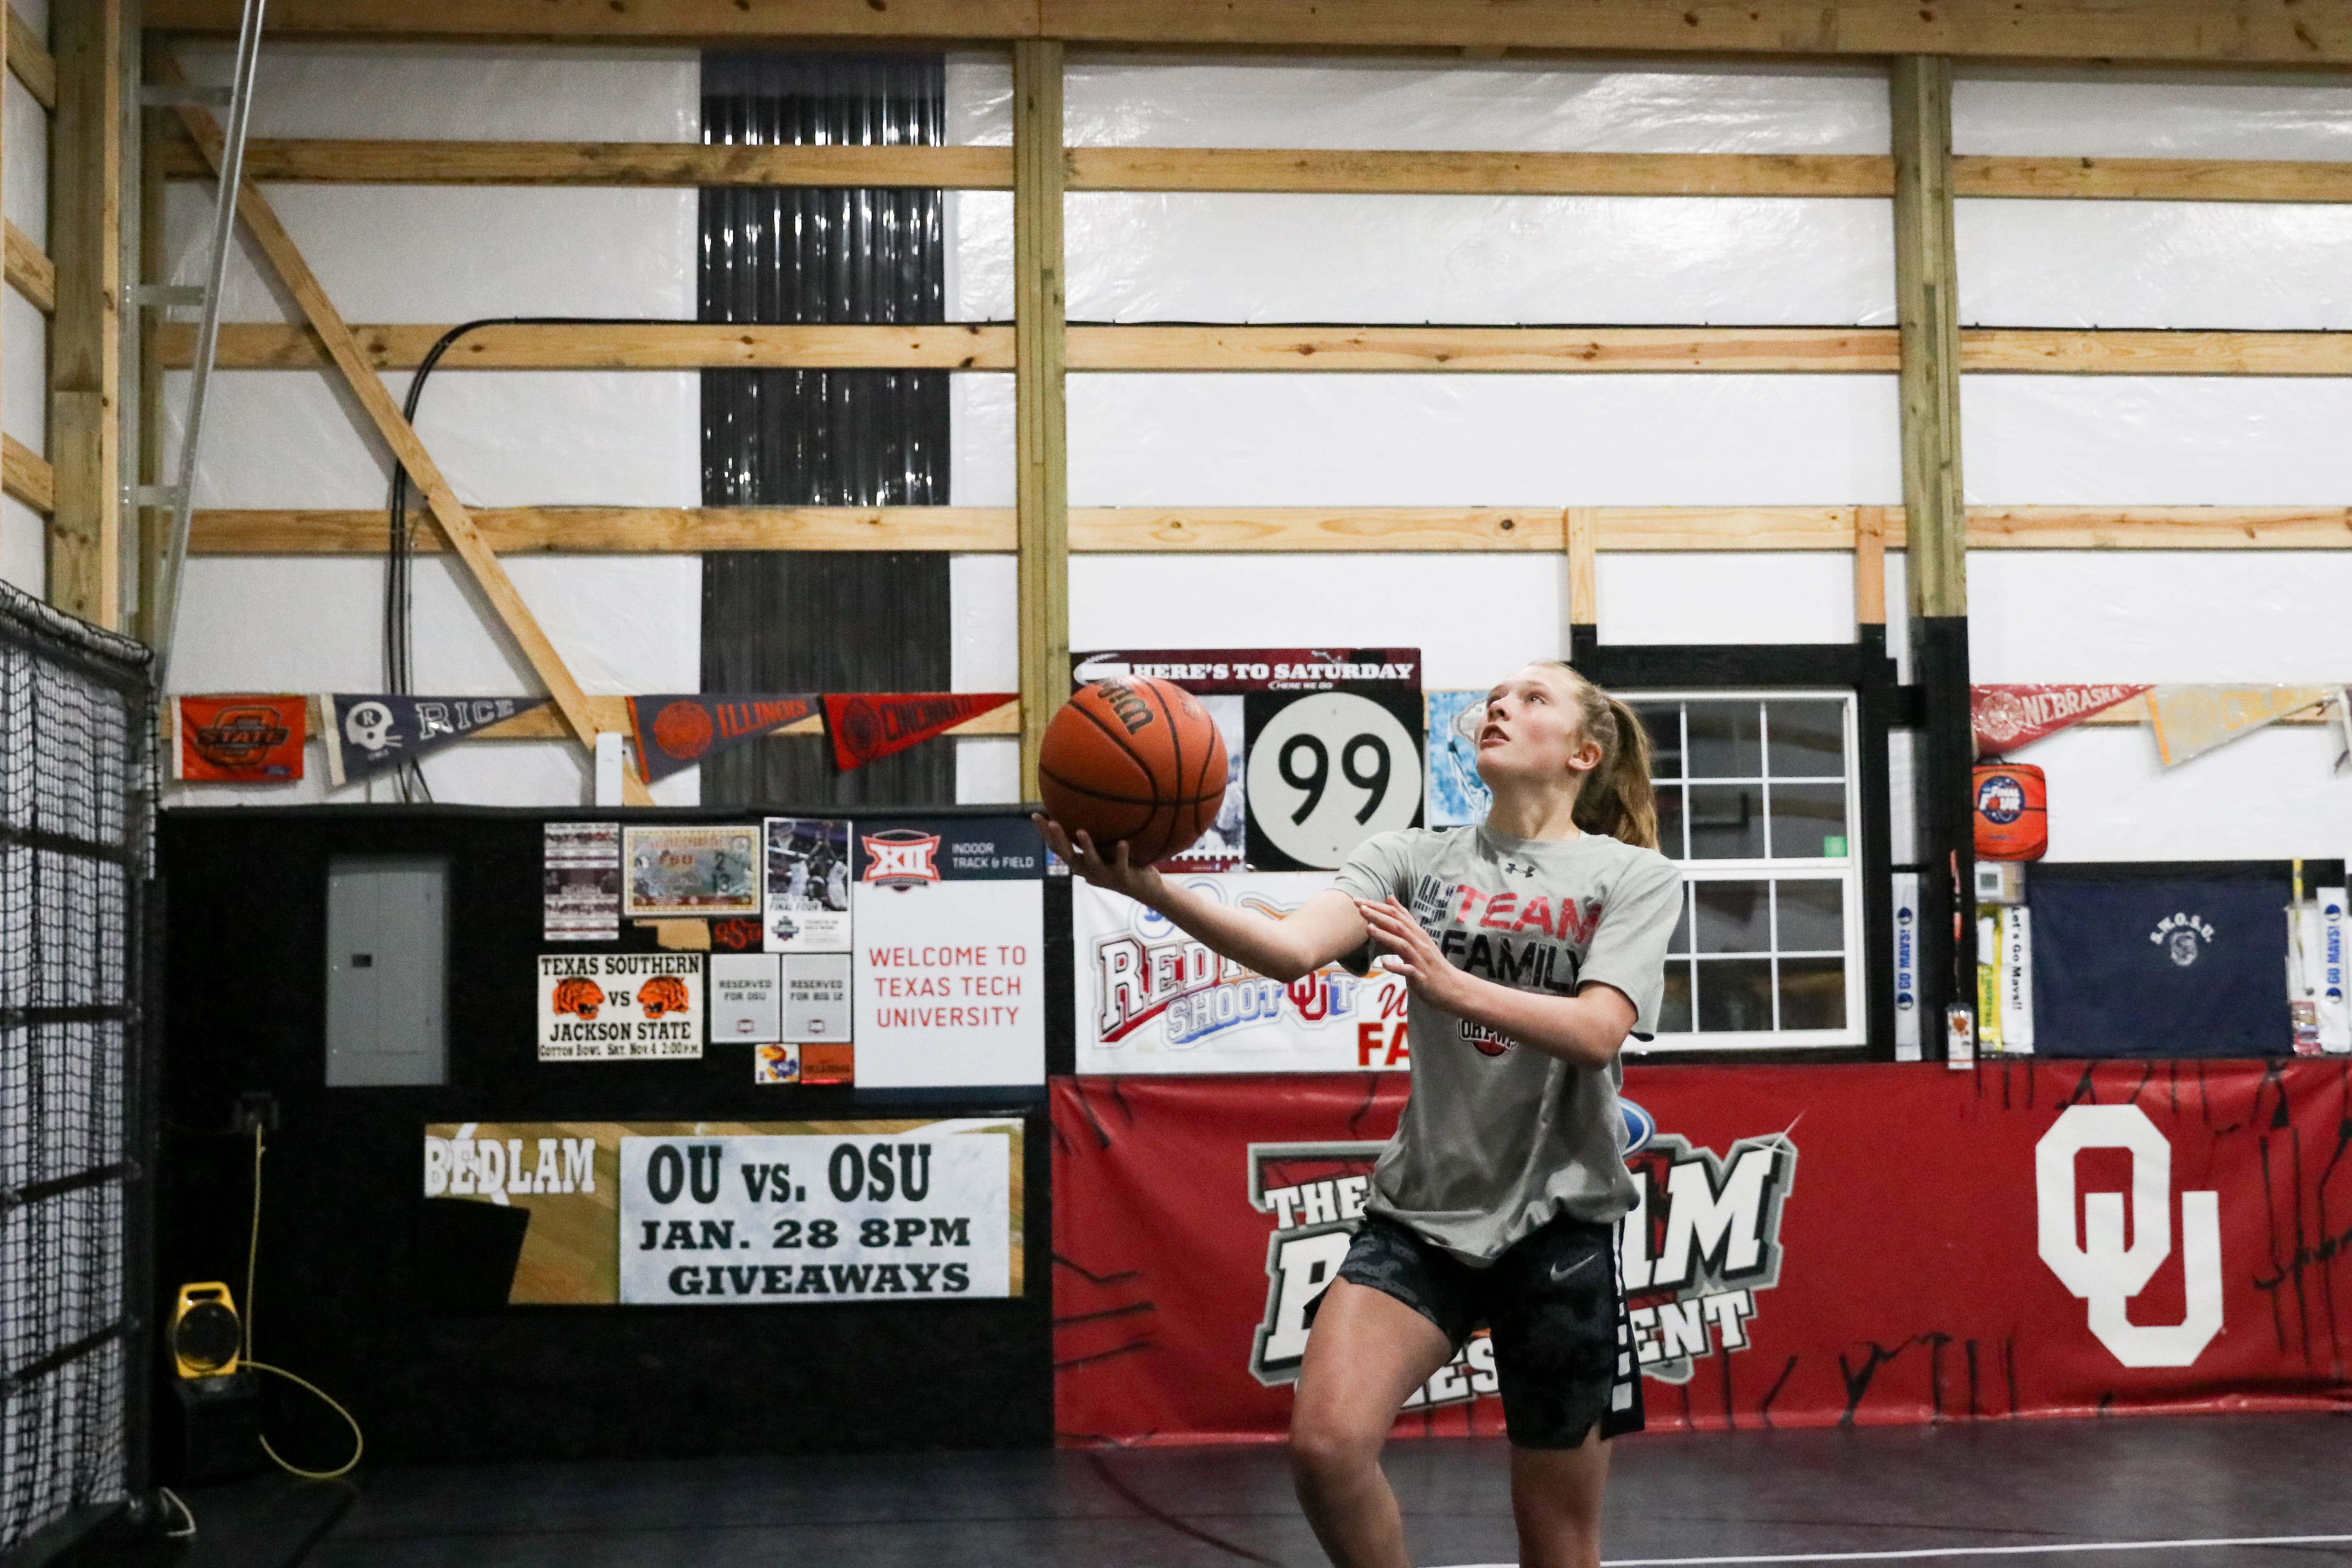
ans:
(865, 726)
(242, 738)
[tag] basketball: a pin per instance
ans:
(1133, 760)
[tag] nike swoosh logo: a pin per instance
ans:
(1559, 1274)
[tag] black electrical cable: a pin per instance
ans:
(399, 643)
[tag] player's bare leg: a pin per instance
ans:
(1367, 1353)
(1556, 1499)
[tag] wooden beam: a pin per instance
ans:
(1268, 169)
(1870, 565)
(681, 345)
(31, 61)
(1582, 525)
(2310, 33)
(27, 475)
(620, 531)
(447, 510)
(542, 724)
(1926, 303)
(1143, 531)
(86, 575)
(2123, 353)
(1495, 349)
(1041, 461)
(637, 163)
(1328, 171)
(31, 273)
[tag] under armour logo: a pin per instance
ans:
(1513, 869)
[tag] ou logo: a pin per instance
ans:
(2099, 1267)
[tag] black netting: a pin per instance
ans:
(75, 750)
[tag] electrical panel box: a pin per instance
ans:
(388, 971)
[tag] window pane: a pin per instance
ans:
(1812, 994)
(1733, 917)
(1674, 1011)
(1727, 821)
(1680, 940)
(1813, 916)
(1664, 720)
(1736, 994)
(1808, 740)
(1809, 820)
(1670, 822)
(1724, 740)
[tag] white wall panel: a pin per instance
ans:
(25, 173)
(2267, 796)
(1474, 616)
(2073, 112)
(24, 371)
(2267, 617)
(2155, 264)
(2156, 440)
(1725, 599)
(1678, 260)
(981, 440)
(24, 547)
(495, 92)
(1440, 440)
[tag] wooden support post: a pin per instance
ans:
(1582, 528)
(85, 345)
(1926, 290)
(1043, 497)
(456, 521)
(154, 523)
(1870, 565)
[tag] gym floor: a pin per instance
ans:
(2181, 1492)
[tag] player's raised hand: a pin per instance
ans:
(1410, 952)
(1115, 871)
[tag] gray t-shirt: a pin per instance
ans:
(1497, 1138)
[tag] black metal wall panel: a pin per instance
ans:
(848, 621)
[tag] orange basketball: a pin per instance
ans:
(1136, 760)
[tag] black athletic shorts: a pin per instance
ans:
(1563, 1341)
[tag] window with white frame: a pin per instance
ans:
(1757, 802)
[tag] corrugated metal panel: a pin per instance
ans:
(794, 620)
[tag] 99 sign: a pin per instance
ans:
(1327, 771)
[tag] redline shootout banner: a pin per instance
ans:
(1881, 1245)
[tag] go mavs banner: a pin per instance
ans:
(372, 733)
(1884, 1244)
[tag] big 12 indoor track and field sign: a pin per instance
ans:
(724, 1214)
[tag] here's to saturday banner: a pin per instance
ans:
(736, 1213)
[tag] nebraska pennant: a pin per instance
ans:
(372, 732)
(865, 727)
(676, 731)
(2193, 720)
(2007, 717)
(241, 739)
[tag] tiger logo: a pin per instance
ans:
(578, 996)
(662, 994)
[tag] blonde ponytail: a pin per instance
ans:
(1616, 800)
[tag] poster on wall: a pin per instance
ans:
(1458, 797)
(678, 873)
(726, 1213)
(1752, 1305)
(807, 883)
(1240, 687)
(1151, 999)
(746, 998)
(619, 1006)
(240, 738)
(950, 972)
(580, 881)
(816, 996)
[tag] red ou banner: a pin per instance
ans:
(1881, 1245)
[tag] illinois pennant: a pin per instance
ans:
(865, 727)
(676, 731)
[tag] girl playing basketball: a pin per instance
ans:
(1532, 946)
